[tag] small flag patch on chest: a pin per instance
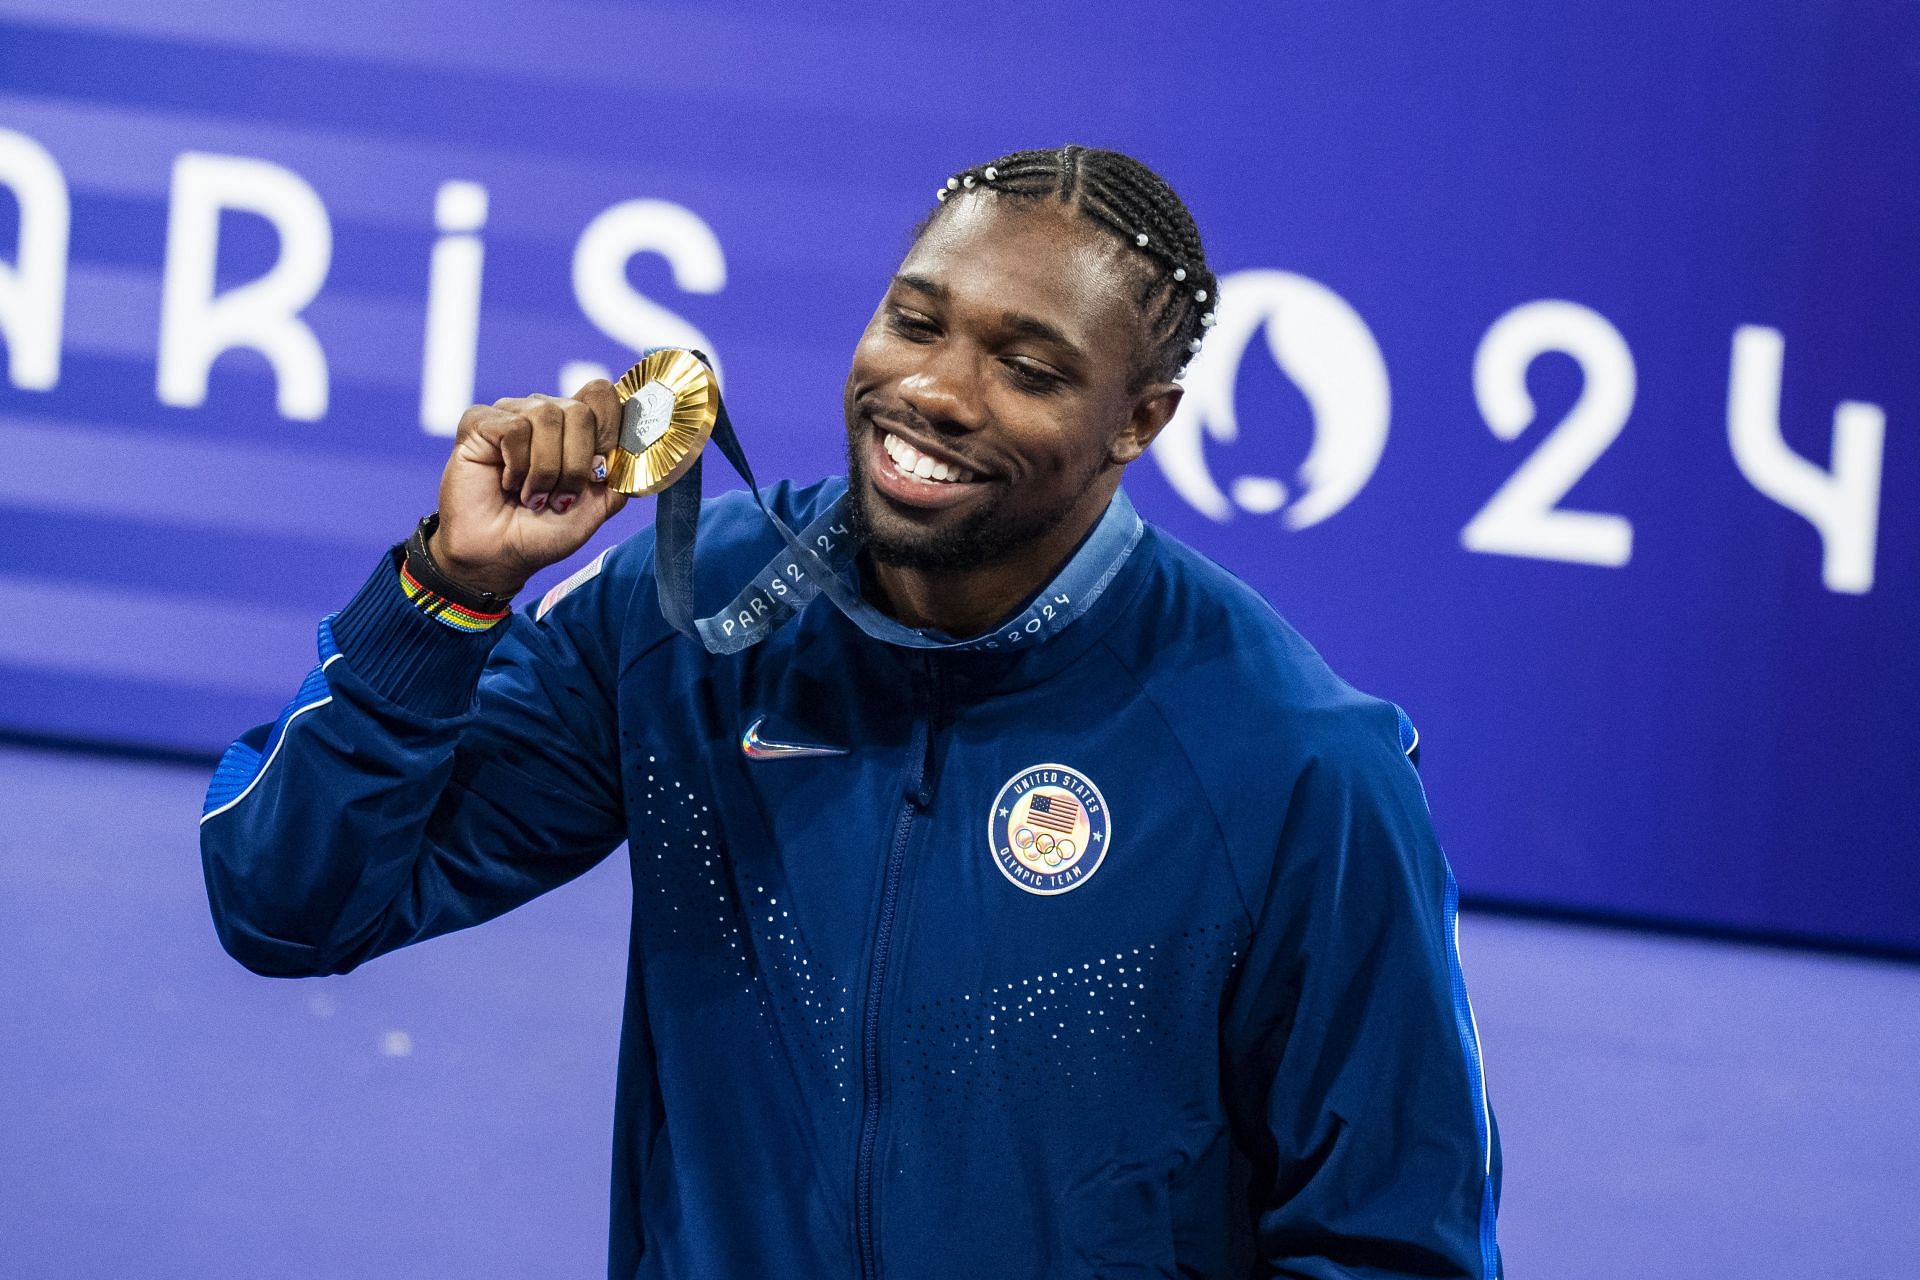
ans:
(1049, 829)
(560, 590)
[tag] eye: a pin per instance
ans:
(912, 325)
(1034, 378)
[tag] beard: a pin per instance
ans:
(985, 535)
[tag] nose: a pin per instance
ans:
(946, 389)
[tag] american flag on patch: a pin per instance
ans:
(1058, 813)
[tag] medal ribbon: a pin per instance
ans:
(820, 560)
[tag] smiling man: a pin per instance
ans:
(970, 491)
(1037, 905)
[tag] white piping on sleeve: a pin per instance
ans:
(266, 764)
(1479, 1065)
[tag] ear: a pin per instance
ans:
(1153, 408)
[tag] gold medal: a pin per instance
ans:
(669, 402)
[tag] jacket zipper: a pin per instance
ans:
(916, 796)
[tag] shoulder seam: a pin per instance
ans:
(647, 652)
(642, 578)
(1194, 770)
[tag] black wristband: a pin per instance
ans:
(421, 567)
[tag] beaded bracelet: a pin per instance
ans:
(439, 596)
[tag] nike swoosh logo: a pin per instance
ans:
(755, 747)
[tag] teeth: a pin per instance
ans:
(911, 462)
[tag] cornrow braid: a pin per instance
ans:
(1178, 293)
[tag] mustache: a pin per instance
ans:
(897, 415)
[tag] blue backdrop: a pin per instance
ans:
(1564, 392)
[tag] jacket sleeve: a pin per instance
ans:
(1353, 1062)
(423, 779)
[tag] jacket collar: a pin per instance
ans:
(1056, 625)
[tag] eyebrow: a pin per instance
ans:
(920, 284)
(1016, 323)
(1026, 326)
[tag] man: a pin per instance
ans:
(1049, 910)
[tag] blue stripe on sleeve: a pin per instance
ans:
(1409, 736)
(244, 765)
(1469, 1033)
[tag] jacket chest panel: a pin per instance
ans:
(1060, 906)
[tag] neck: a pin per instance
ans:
(966, 602)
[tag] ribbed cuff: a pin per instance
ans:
(414, 661)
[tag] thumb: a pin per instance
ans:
(604, 402)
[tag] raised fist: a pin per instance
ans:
(525, 486)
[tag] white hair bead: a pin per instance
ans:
(967, 181)
(953, 184)
(1199, 295)
(992, 173)
(1206, 321)
(942, 193)
(1179, 273)
(1194, 345)
(1141, 239)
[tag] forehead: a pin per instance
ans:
(1044, 260)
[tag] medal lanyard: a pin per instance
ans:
(821, 560)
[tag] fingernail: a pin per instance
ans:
(536, 502)
(599, 467)
(561, 503)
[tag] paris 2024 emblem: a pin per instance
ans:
(1326, 350)
(1049, 829)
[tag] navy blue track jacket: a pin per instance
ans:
(1127, 952)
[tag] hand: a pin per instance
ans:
(518, 492)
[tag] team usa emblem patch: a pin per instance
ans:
(1049, 829)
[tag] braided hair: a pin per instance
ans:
(1177, 293)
